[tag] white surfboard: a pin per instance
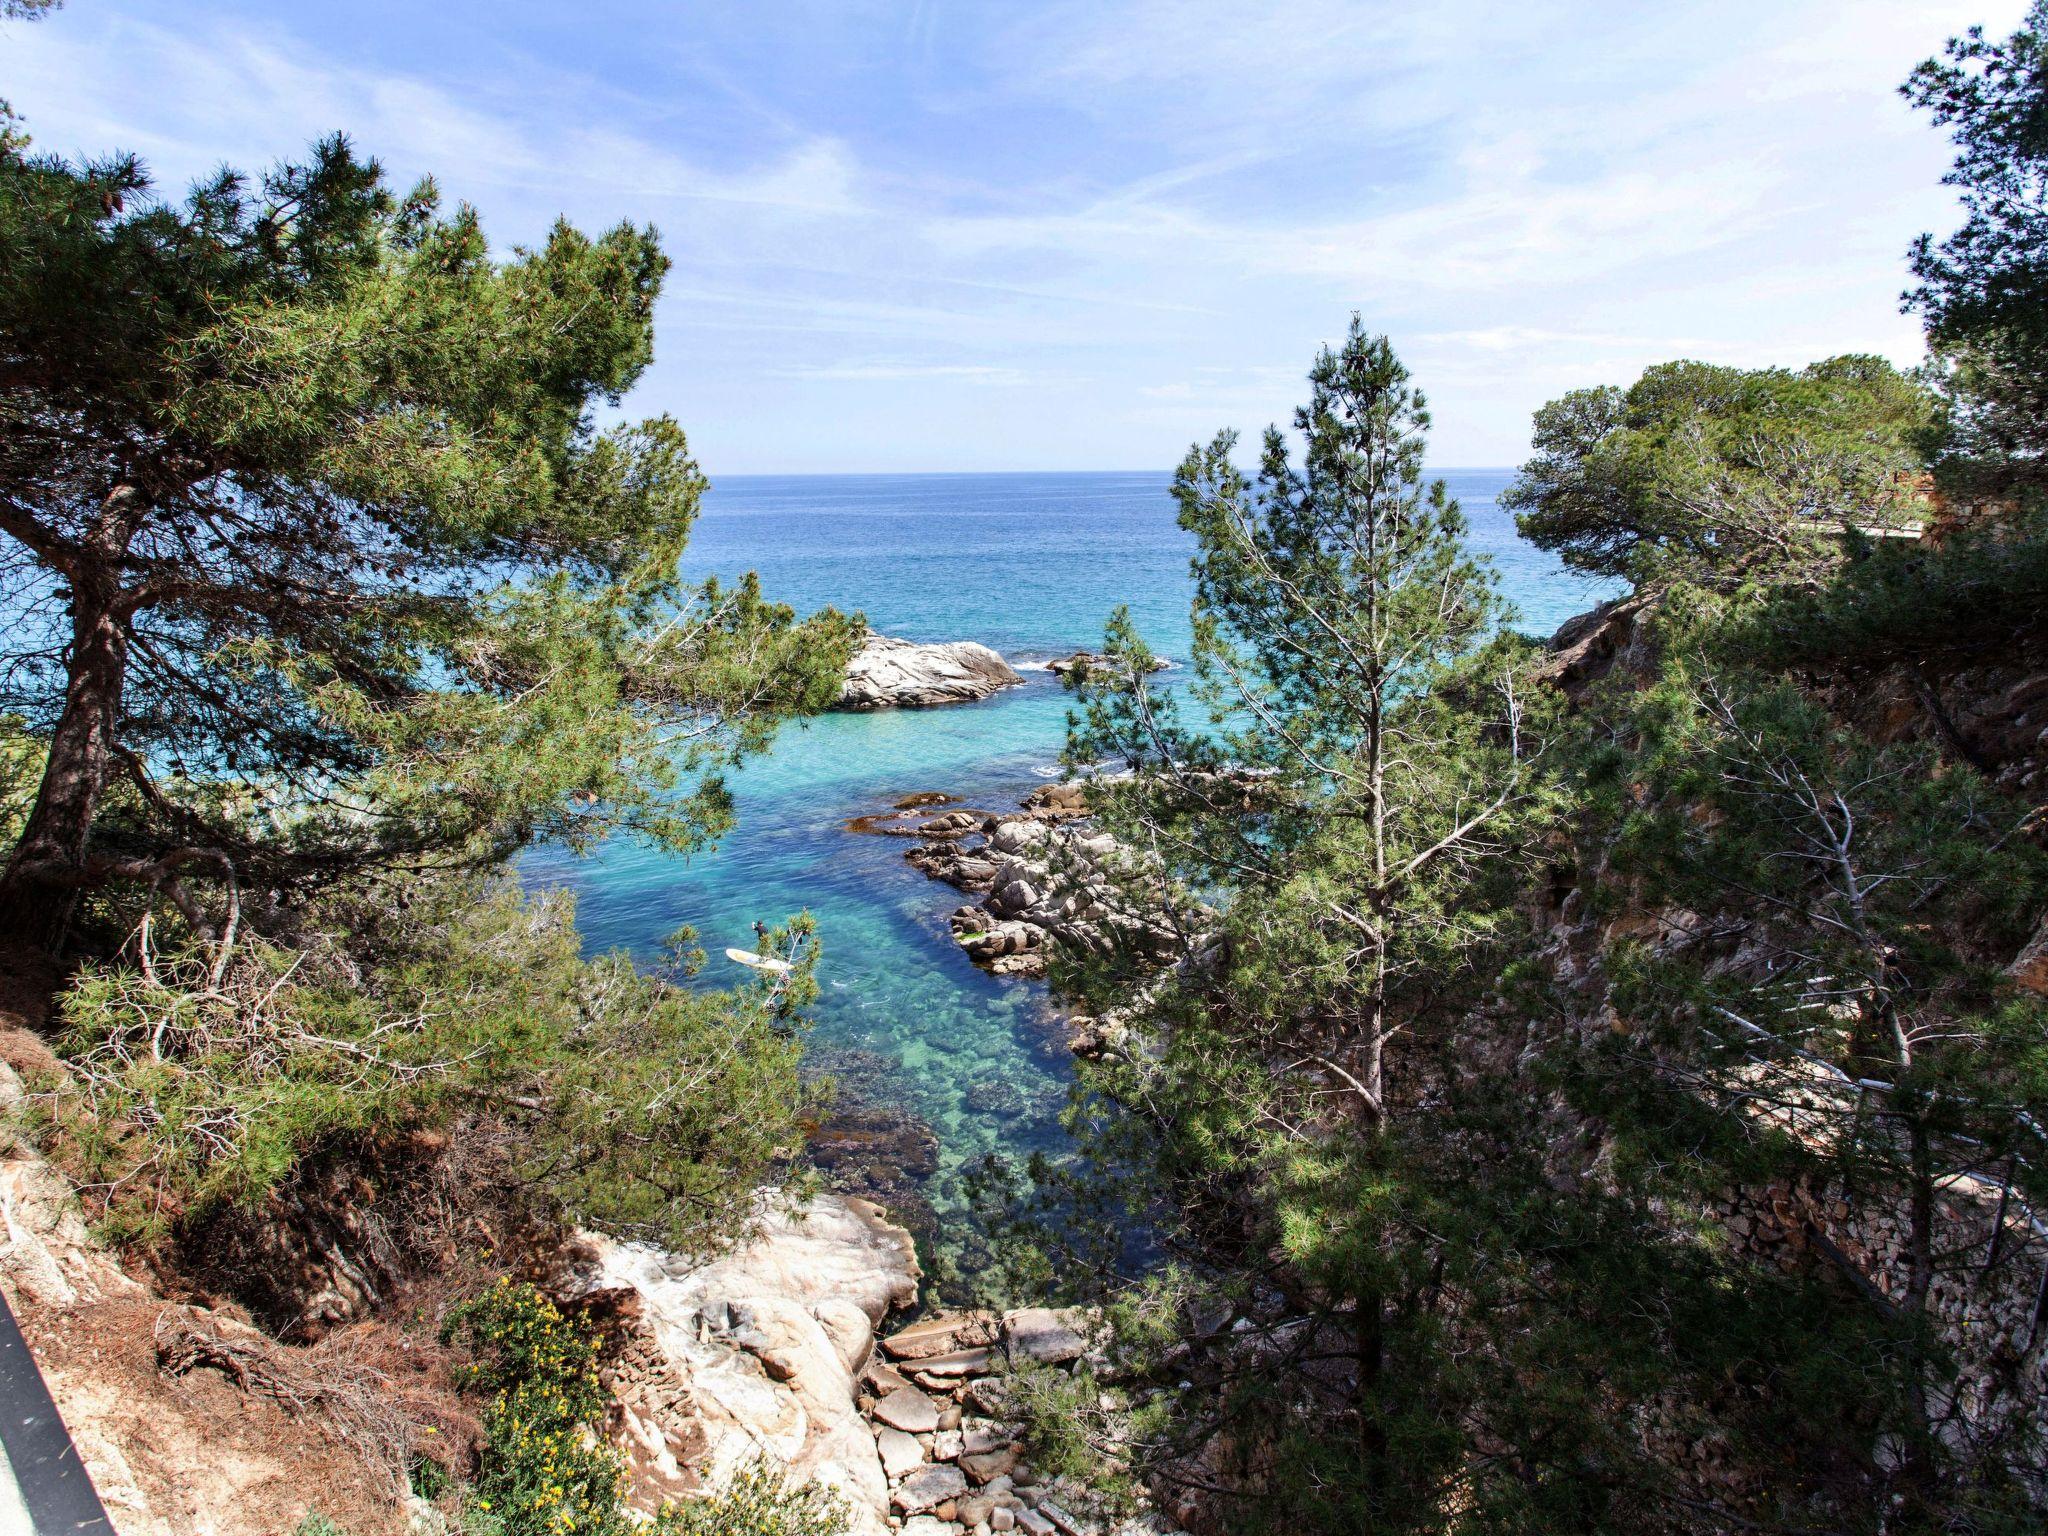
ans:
(752, 961)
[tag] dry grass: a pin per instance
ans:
(388, 1410)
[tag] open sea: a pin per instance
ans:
(1030, 564)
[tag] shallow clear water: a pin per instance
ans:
(1028, 563)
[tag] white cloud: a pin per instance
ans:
(1136, 219)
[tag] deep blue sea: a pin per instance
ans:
(1028, 563)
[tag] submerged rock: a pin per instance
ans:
(887, 673)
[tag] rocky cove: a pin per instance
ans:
(934, 1020)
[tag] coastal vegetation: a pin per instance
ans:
(327, 592)
(1595, 1085)
(1531, 969)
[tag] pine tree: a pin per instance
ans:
(1369, 767)
(317, 553)
(1984, 290)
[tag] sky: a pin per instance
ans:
(922, 236)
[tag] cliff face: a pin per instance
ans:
(1988, 1302)
(173, 1443)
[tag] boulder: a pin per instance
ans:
(990, 1465)
(909, 1410)
(882, 1378)
(1081, 663)
(901, 1454)
(959, 1362)
(942, 1335)
(1056, 802)
(887, 673)
(1047, 1335)
(754, 1354)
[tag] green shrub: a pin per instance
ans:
(636, 1104)
(547, 1470)
(1065, 1428)
(760, 1500)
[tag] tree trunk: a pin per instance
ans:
(40, 885)
(1921, 1470)
(1370, 1344)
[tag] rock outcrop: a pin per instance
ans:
(1081, 663)
(1045, 879)
(756, 1354)
(771, 1351)
(888, 673)
(954, 1456)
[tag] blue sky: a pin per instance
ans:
(925, 236)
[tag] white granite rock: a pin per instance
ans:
(888, 673)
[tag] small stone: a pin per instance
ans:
(1059, 1517)
(1032, 1523)
(983, 1438)
(901, 1454)
(949, 1417)
(990, 1465)
(928, 1486)
(946, 1445)
(909, 1410)
(948, 1511)
(1002, 1519)
(926, 1525)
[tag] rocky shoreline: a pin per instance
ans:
(1045, 879)
(775, 1349)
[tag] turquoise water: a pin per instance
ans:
(1028, 563)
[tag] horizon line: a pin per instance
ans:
(903, 474)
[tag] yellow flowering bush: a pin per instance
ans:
(546, 1471)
